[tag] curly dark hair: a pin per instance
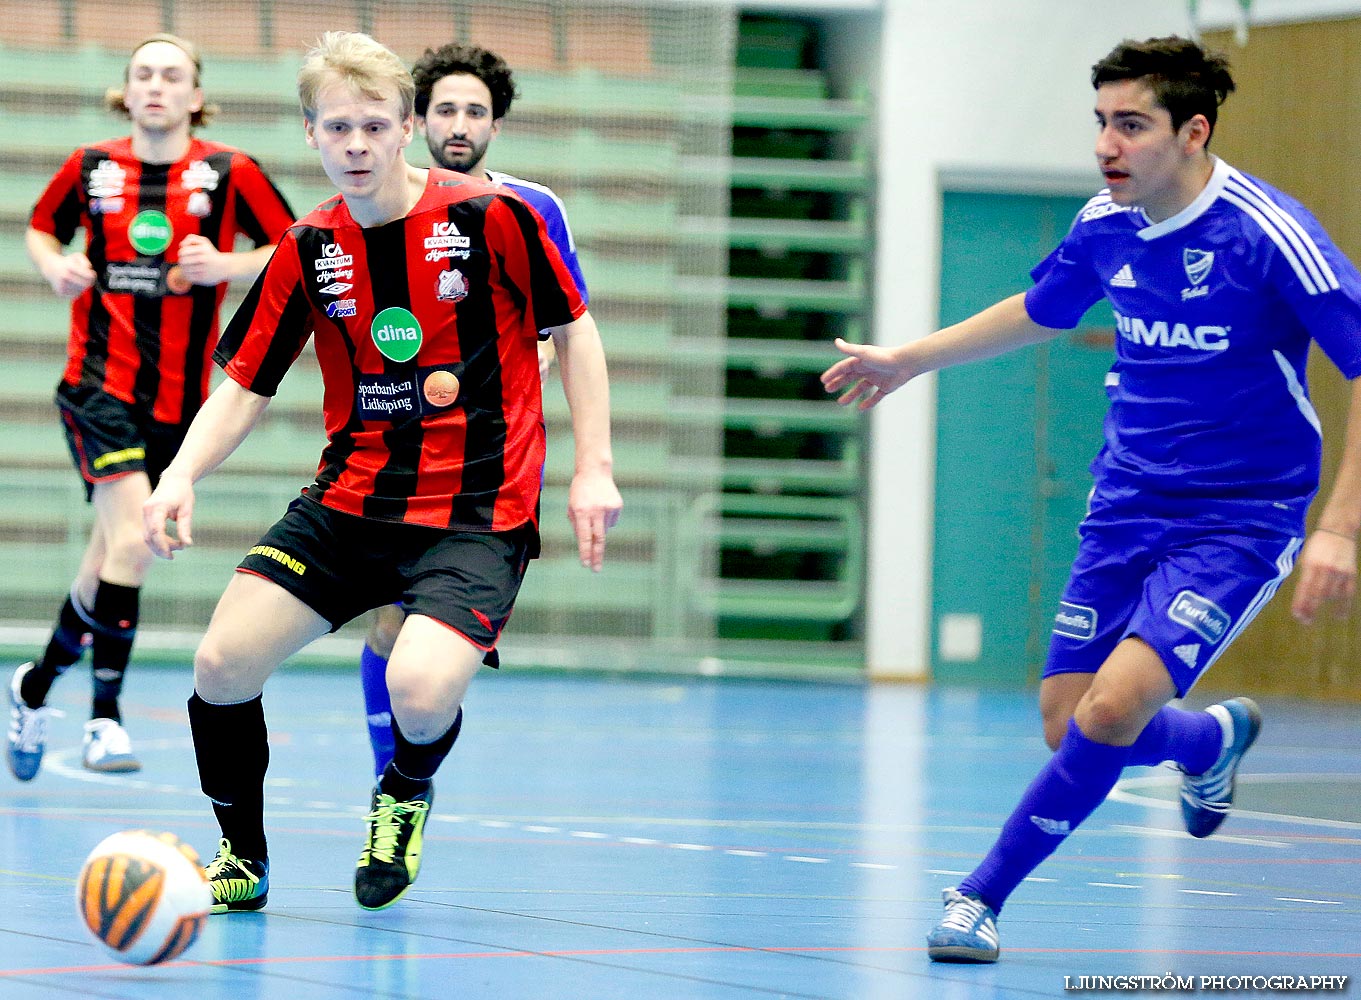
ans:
(1186, 79)
(453, 58)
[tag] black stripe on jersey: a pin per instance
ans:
(204, 297)
(146, 309)
(386, 250)
(551, 305)
(281, 351)
(340, 447)
(246, 221)
(484, 451)
(66, 218)
(95, 363)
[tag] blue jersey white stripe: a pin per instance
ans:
(1297, 246)
(1215, 310)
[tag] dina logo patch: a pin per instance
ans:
(1075, 621)
(1201, 615)
(397, 333)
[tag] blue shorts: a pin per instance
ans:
(1186, 590)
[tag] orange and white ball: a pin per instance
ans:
(143, 896)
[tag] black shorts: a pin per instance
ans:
(110, 439)
(341, 565)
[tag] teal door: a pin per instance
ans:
(1014, 438)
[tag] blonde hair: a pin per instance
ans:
(358, 61)
(113, 97)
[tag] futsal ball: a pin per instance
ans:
(143, 896)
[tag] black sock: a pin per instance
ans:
(115, 616)
(231, 744)
(412, 766)
(63, 649)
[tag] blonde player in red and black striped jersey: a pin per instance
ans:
(161, 210)
(425, 292)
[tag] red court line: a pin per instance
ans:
(619, 952)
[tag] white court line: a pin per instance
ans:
(1224, 838)
(1320, 902)
(1120, 793)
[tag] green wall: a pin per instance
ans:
(1015, 435)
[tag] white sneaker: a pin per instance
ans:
(27, 730)
(108, 748)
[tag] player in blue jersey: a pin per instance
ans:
(1211, 457)
(462, 95)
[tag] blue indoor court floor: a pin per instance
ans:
(603, 838)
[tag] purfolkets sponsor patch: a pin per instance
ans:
(1201, 615)
(1075, 621)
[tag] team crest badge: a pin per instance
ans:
(452, 286)
(1197, 264)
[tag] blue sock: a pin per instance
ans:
(373, 671)
(1192, 739)
(1074, 782)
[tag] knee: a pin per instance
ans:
(383, 631)
(420, 711)
(1055, 725)
(1107, 719)
(216, 677)
(128, 551)
(1056, 711)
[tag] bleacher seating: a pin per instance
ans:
(782, 524)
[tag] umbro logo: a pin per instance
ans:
(1124, 278)
(1188, 654)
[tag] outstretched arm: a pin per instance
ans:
(593, 503)
(868, 373)
(1328, 561)
(221, 425)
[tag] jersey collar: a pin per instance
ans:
(1218, 178)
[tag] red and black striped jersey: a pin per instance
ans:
(141, 332)
(425, 331)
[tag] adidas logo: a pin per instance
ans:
(1053, 827)
(1188, 654)
(1124, 278)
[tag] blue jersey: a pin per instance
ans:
(549, 206)
(1214, 309)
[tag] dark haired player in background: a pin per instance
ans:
(463, 93)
